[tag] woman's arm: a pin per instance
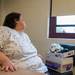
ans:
(5, 62)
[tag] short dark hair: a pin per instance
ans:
(10, 19)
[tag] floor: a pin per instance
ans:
(55, 73)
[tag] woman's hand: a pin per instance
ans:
(8, 66)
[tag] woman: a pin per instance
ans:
(16, 49)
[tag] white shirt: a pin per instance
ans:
(19, 48)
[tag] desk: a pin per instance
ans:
(20, 72)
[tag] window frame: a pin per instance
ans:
(52, 30)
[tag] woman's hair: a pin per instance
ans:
(10, 19)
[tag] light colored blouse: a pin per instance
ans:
(19, 48)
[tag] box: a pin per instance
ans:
(55, 57)
(67, 54)
(59, 63)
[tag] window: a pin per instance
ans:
(62, 27)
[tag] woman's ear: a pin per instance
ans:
(16, 21)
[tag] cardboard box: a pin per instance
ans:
(67, 54)
(55, 57)
(60, 64)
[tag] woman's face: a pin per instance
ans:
(20, 25)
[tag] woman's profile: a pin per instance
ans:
(16, 48)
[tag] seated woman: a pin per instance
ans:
(16, 49)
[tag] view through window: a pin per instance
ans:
(65, 24)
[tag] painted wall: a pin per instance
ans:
(63, 7)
